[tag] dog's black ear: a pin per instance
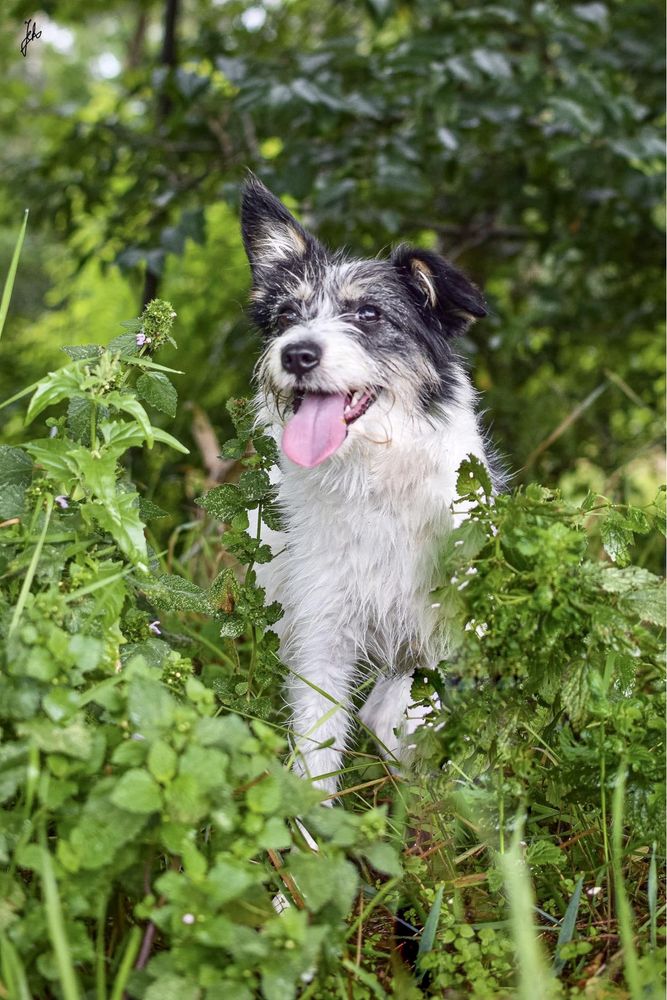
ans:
(439, 290)
(271, 235)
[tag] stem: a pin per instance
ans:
(100, 957)
(129, 956)
(30, 573)
(253, 630)
(93, 426)
(603, 798)
(146, 945)
(501, 815)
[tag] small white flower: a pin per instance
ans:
(155, 627)
(142, 339)
(53, 432)
(188, 918)
(595, 891)
(62, 502)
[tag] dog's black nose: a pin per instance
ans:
(299, 358)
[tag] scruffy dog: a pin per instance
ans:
(373, 411)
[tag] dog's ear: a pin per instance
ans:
(271, 235)
(439, 290)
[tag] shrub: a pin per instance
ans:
(141, 827)
(149, 832)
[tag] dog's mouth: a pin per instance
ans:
(320, 423)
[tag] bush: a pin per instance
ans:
(134, 811)
(150, 834)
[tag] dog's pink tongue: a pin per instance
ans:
(316, 430)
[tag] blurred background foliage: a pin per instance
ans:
(522, 139)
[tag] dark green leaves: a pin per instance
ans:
(157, 390)
(473, 477)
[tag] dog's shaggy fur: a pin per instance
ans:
(359, 383)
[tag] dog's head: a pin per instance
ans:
(343, 335)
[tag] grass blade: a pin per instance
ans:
(623, 908)
(30, 573)
(129, 955)
(56, 926)
(11, 274)
(13, 973)
(431, 925)
(535, 976)
(653, 897)
(568, 925)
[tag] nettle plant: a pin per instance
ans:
(141, 828)
(546, 739)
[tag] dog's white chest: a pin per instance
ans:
(361, 547)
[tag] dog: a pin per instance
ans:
(361, 387)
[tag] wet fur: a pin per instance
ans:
(356, 565)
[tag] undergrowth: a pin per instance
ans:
(151, 835)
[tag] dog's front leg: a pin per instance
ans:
(318, 692)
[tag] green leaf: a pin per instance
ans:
(164, 438)
(78, 419)
(124, 343)
(568, 926)
(472, 478)
(62, 384)
(162, 761)
(73, 740)
(15, 467)
(264, 796)
(81, 352)
(616, 538)
(157, 390)
(223, 502)
(648, 604)
(97, 472)
(384, 857)
(544, 852)
(254, 485)
(323, 880)
(170, 986)
(130, 404)
(12, 502)
(151, 707)
(137, 792)
(149, 511)
(119, 515)
(431, 925)
(54, 455)
(101, 832)
(173, 593)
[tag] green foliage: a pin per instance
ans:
(554, 682)
(130, 806)
(525, 142)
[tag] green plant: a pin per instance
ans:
(141, 828)
(147, 829)
(553, 687)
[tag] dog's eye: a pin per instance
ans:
(368, 314)
(286, 317)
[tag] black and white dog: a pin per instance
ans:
(373, 411)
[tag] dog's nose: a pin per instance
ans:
(297, 359)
